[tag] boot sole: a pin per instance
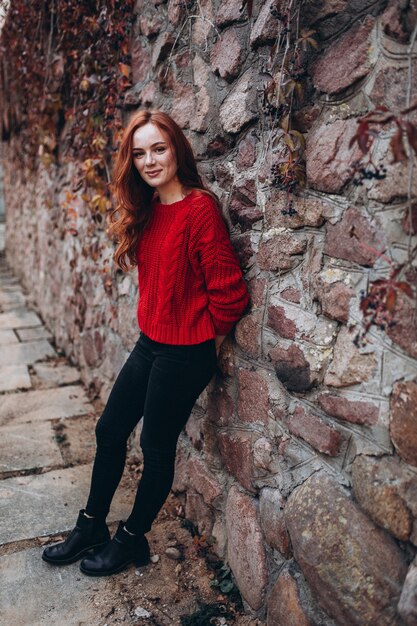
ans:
(115, 570)
(76, 557)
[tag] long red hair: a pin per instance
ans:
(133, 195)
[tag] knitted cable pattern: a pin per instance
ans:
(191, 286)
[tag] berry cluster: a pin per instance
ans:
(370, 171)
(289, 210)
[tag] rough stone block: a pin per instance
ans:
(404, 330)
(253, 405)
(246, 151)
(356, 412)
(239, 106)
(226, 55)
(248, 333)
(284, 606)
(221, 406)
(271, 516)
(276, 252)
(245, 548)
(278, 321)
(229, 11)
(387, 491)
(403, 420)
(198, 512)
(353, 568)
(355, 238)
(242, 207)
(162, 48)
(346, 60)
(335, 299)
(328, 153)
(314, 431)
(236, 449)
(183, 107)
(292, 368)
(309, 211)
(407, 606)
(203, 481)
(266, 28)
(349, 365)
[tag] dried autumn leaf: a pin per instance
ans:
(411, 131)
(391, 300)
(405, 288)
(124, 69)
(306, 39)
(397, 146)
(299, 136)
(285, 122)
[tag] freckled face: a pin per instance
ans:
(153, 156)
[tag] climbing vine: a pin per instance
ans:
(283, 94)
(65, 68)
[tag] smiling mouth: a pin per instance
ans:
(153, 173)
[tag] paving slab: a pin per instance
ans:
(14, 377)
(7, 336)
(9, 285)
(31, 334)
(26, 353)
(15, 297)
(33, 593)
(28, 446)
(55, 374)
(47, 504)
(43, 404)
(19, 319)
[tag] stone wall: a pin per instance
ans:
(300, 459)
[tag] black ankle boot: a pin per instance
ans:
(123, 549)
(88, 533)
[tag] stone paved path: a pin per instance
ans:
(45, 467)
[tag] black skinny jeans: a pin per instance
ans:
(160, 383)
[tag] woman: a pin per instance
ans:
(191, 293)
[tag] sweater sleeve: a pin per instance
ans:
(210, 243)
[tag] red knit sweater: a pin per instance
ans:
(190, 282)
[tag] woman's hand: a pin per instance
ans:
(218, 341)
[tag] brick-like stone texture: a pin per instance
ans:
(355, 569)
(271, 515)
(246, 552)
(284, 604)
(387, 491)
(314, 431)
(354, 411)
(403, 420)
(407, 606)
(346, 60)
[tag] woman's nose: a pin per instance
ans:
(149, 158)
